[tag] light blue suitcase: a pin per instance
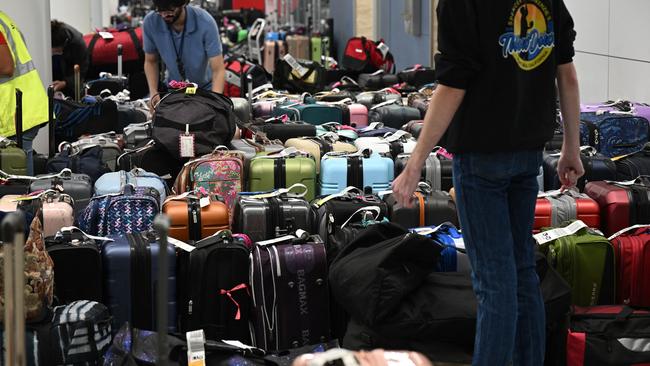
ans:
(367, 169)
(114, 182)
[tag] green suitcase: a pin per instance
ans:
(585, 259)
(316, 49)
(13, 159)
(282, 170)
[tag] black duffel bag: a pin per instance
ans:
(207, 115)
(299, 76)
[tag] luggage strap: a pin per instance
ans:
(134, 38)
(66, 172)
(375, 209)
(550, 235)
(623, 231)
(241, 286)
(343, 193)
(422, 207)
(422, 187)
(283, 191)
(71, 229)
(396, 136)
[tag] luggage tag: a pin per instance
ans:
(298, 68)
(548, 236)
(195, 348)
(186, 143)
(383, 48)
(106, 35)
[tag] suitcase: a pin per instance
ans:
(298, 46)
(77, 186)
(393, 144)
(358, 115)
(88, 160)
(414, 127)
(597, 167)
(608, 336)
(393, 115)
(130, 265)
(284, 131)
(267, 216)
(375, 129)
(417, 75)
(263, 108)
(311, 113)
(290, 292)
(377, 80)
(614, 134)
(554, 208)
(316, 42)
(364, 170)
(371, 99)
(221, 173)
(429, 208)
(453, 257)
(136, 133)
(632, 248)
(13, 159)
(115, 182)
(585, 259)
(633, 165)
(319, 146)
(58, 212)
(193, 218)
(242, 109)
(437, 171)
(78, 263)
(214, 292)
(345, 133)
(270, 55)
(621, 205)
(282, 170)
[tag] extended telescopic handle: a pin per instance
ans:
(120, 49)
(161, 226)
(51, 126)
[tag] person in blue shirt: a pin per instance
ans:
(187, 40)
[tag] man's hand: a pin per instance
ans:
(153, 102)
(59, 85)
(405, 185)
(569, 169)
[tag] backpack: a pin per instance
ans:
(366, 56)
(207, 115)
(237, 70)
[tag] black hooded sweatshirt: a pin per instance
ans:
(505, 54)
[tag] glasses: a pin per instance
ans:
(167, 10)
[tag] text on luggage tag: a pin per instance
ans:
(186, 143)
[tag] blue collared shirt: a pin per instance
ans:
(202, 42)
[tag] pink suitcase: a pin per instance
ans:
(358, 115)
(263, 108)
(58, 212)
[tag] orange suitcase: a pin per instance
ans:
(553, 210)
(190, 221)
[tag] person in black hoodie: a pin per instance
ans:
(68, 49)
(498, 67)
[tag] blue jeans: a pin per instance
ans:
(496, 195)
(28, 141)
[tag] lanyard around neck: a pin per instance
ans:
(179, 52)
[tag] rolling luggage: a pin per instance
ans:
(377, 80)
(554, 208)
(214, 288)
(633, 165)
(319, 146)
(130, 265)
(430, 208)
(364, 169)
(453, 257)
(614, 134)
(282, 170)
(437, 170)
(193, 218)
(13, 159)
(597, 167)
(278, 130)
(78, 262)
(585, 259)
(77, 186)
(417, 75)
(221, 173)
(115, 182)
(414, 127)
(270, 215)
(311, 113)
(393, 115)
(621, 204)
(394, 144)
(58, 212)
(290, 292)
(298, 46)
(632, 247)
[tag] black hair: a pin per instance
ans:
(59, 35)
(166, 4)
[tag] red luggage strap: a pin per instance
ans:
(241, 286)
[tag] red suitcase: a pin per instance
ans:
(555, 209)
(621, 205)
(632, 249)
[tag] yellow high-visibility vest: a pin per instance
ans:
(25, 78)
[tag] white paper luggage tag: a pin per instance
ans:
(383, 48)
(548, 236)
(106, 35)
(195, 348)
(186, 143)
(301, 70)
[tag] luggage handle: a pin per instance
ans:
(66, 172)
(289, 152)
(343, 193)
(13, 237)
(397, 135)
(345, 101)
(637, 181)
(70, 229)
(283, 191)
(161, 226)
(5, 142)
(423, 187)
(623, 231)
(364, 153)
(375, 209)
(300, 236)
(148, 145)
(383, 104)
(220, 148)
(46, 195)
(572, 192)
(429, 230)
(587, 150)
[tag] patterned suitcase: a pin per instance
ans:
(614, 134)
(291, 293)
(363, 169)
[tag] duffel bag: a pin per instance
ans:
(92, 116)
(103, 51)
(237, 71)
(298, 76)
(366, 56)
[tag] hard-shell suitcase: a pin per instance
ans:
(130, 274)
(285, 131)
(136, 133)
(621, 204)
(242, 108)
(282, 170)
(77, 186)
(13, 159)
(58, 212)
(429, 208)
(298, 46)
(614, 134)
(78, 263)
(363, 169)
(414, 127)
(193, 218)
(358, 115)
(267, 216)
(316, 42)
(214, 288)
(554, 208)
(270, 55)
(394, 144)
(437, 170)
(632, 248)
(311, 113)
(221, 173)
(597, 167)
(633, 165)
(291, 293)
(585, 259)
(114, 182)
(393, 115)
(319, 146)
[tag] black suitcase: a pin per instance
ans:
(597, 167)
(437, 171)
(78, 264)
(377, 81)
(393, 115)
(285, 131)
(78, 186)
(291, 294)
(429, 208)
(213, 290)
(634, 165)
(266, 218)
